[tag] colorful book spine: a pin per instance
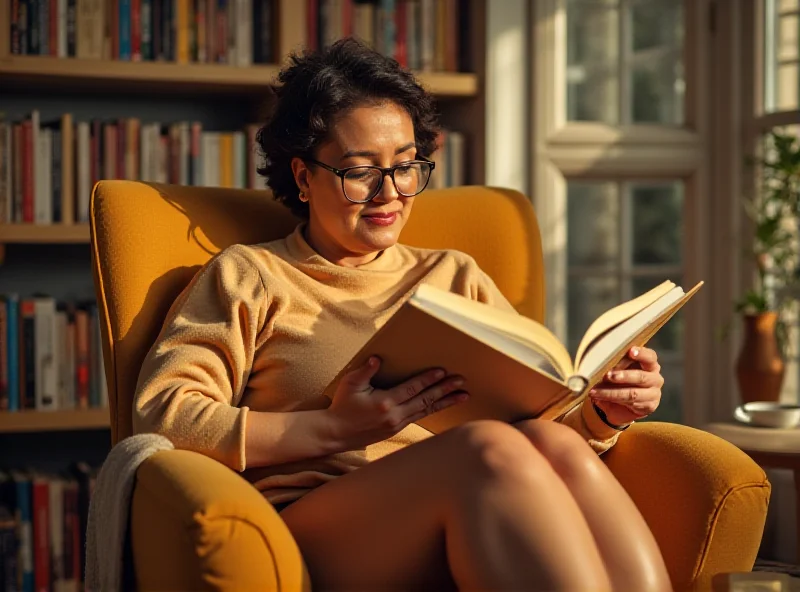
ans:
(125, 30)
(12, 351)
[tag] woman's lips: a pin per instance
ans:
(381, 219)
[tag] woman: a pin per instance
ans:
(249, 346)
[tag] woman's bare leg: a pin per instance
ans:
(628, 548)
(479, 499)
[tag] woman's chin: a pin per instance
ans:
(378, 239)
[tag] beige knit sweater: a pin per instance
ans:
(267, 327)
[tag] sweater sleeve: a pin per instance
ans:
(193, 378)
(584, 418)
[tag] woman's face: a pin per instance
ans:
(349, 233)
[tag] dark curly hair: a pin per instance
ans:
(318, 86)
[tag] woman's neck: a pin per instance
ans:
(334, 253)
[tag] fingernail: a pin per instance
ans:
(610, 375)
(458, 382)
(463, 397)
(439, 374)
(635, 352)
(619, 375)
(592, 392)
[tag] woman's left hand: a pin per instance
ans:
(632, 390)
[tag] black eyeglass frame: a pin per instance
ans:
(384, 171)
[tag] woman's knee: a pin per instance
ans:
(566, 451)
(492, 450)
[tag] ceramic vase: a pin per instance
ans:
(760, 367)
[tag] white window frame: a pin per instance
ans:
(563, 150)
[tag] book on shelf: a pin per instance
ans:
(234, 32)
(51, 355)
(48, 168)
(514, 367)
(43, 519)
(425, 35)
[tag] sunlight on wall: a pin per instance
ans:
(507, 98)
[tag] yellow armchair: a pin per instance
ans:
(196, 524)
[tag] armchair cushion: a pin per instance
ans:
(704, 499)
(197, 525)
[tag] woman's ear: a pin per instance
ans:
(301, 173)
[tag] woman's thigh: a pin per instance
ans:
(384, 524)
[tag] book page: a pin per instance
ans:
(619, 314)
(527, 331)
(510, 345)
(610, 343)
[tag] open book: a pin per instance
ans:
(514, 367)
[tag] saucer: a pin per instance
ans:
(768, 414)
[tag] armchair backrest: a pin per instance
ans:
(148, 241)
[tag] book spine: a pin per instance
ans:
(67, 170)
(62, 28)
(43, 8)
(16, 49)
(55, 488)
(28, 359)
(46, 364)
(427, 34)
(72, 22)
(201, 30)
(182, 31)
(82, 358)
(5, 171)
(55, 175)
(41, 538)
(43, 199)
(125, 30)
(28, 178)
(4, 399)
(12, 338)
(136, 30)
(401, 50)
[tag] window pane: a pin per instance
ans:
(588, 298)
(593, 224)
(593, 61)
(644, 38)
(657, 223)
(657, 83)
(669, 338)
(670, 408)
(782, 55)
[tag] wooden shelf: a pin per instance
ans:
(44, 233)
(168, 77)
(49, 421)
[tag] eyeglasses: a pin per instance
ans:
(362, 183)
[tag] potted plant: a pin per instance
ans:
(774, 251)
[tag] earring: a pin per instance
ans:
(303, 197)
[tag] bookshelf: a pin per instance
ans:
(58, 234)
(36, 72)
(50, 421)
(29, 80)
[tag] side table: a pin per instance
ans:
(769, 448)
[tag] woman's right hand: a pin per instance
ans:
(361, 415)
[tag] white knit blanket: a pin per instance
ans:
(109, 510)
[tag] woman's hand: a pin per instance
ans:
(361, 415)
(632, 390)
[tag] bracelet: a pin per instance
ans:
(602, 415)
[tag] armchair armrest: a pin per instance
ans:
(197, 525)
(704, 499)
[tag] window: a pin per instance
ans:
(782, 55)
(618, 167)
(625, 61)
(624, 238)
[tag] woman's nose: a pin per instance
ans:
(388, 192)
